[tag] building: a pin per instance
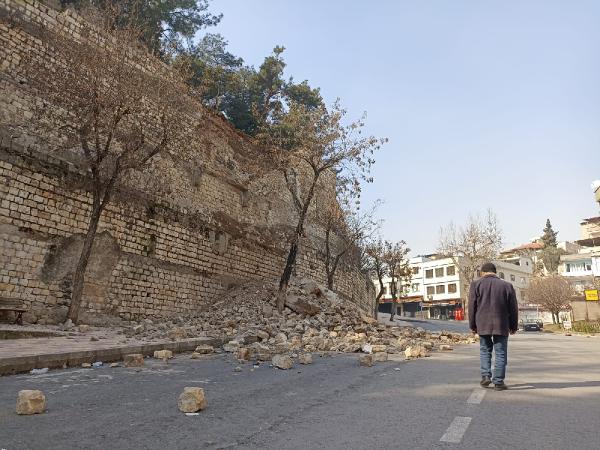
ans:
(437, 291)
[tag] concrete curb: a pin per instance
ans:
(18, 364)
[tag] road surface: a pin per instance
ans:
(429, 403)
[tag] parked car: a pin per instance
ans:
(531, 326)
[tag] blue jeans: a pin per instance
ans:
(499, 344)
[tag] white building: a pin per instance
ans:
(437, 291)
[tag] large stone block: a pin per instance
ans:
(30, 402)
(192, 400)
(133, 360)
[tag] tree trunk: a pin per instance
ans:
(287, 272)
(84, 257)
(293, 253)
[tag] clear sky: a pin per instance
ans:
(485, 103)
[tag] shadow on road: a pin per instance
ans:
(563, 385)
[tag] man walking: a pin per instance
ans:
(493, 315)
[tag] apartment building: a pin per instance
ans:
(437, 291)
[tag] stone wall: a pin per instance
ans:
(155, 255)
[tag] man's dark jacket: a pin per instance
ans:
(493, 307)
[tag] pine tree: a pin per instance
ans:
(549, 236)
(550, 254)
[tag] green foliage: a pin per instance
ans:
(586, 327)
(168, 24)
(549, 236)
(550, 254)
(250, 98)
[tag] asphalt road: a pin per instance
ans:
(553, 403)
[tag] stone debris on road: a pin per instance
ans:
(133, 360)
(30, 402)
(282, 362)
(366, 360)
(315, 319)
(163, 354)
(192, 400)
(305, 358)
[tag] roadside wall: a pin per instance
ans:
(155, 256)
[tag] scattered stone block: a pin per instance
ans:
(30, 402)
(205, 349)
(133, 360)
(305, 358)
(282, 362)
(231, 346)
(446, 348)
(113, 365)
(378, 348)
(380, 357)
(366, 360)
(192, 400)
(244, 354)
(195, 355)
(163, 354)
(177, 333)
(86, 365)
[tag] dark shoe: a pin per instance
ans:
(485, 381)
(500, 387)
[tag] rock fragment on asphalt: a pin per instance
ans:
(282, 362)
(133, 360)
(366, 360)
(30, 402)
(192, 400)
(305, 358)
(163, 354)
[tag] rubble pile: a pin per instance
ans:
(315, 319)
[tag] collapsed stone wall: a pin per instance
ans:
(157, 255)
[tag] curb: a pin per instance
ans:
(19, 364)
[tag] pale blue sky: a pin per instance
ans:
(486, 103)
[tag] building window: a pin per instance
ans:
(523, 280)
(415, 271)
(501, 275)
(430, 290)
(440, 289)
(452, 288)
(429, 273)
(513, 278)
(416, 287)
(439, 272)
(568, 267)
(450, 271)
(588, 267)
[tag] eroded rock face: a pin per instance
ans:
(133, 360)
(282, 362)
(192, 400)
(30, 402)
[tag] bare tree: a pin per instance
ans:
(553, 293)
(471, 245)
(374, 264)
(100, 103)
(395, 258)
(307, 145)
(346, 225)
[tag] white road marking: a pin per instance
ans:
(456, 430)
(476, 397)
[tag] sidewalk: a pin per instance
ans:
(73, 349)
